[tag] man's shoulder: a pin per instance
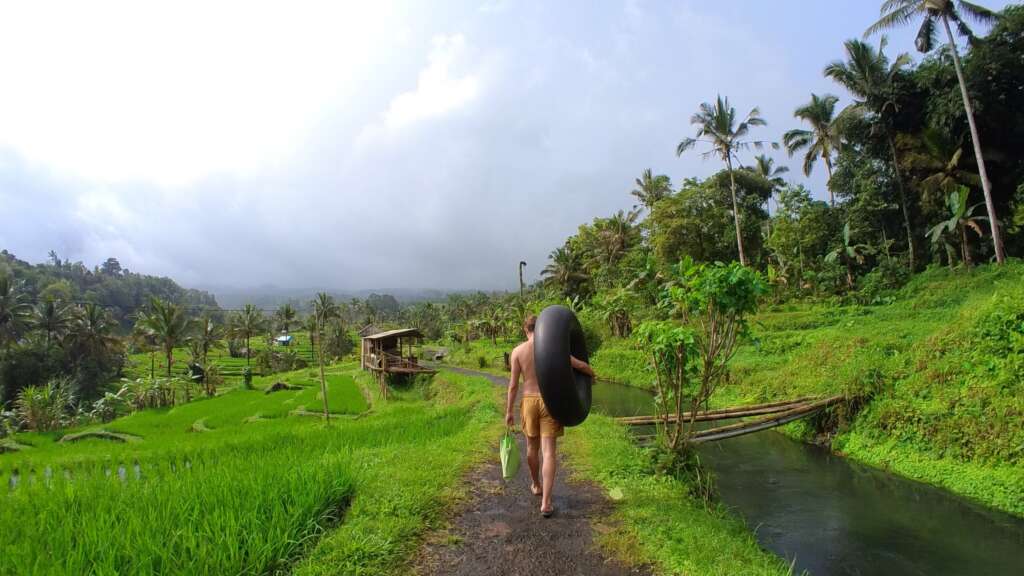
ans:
(519, 349)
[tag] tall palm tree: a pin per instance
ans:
(900, 12)
(821, 141)
(324, 309)
(871, 78)
(169, 325)
(53, 318)
(650, 188)
(246, 323)
(285, 316)
(14, 310)
(565, 271)
(717, 126)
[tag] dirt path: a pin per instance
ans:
(499, 530)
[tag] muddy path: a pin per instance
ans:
(499, 529)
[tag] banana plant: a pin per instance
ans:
(961, 217)
(849, 253)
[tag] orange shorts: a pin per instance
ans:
(537, 421)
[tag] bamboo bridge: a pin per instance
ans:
(772, 414)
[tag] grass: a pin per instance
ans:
(249, 496)
(654, 521)
(939, 371)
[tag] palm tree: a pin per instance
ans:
(871, 79)
(765, 168)
(92, 335)
(821, 141)
(285, 316)
(941, 158)
(649, 188)
(849, 252)
(716, 125)
(142, 337)
(14, 310)
(324, 309)
(207, 336)
(899, 12)
(565, 270)
(169, 325)
(961, 218)
(54, 318)
(615, 235)
(245, 324)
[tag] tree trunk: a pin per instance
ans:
(170, 359)
(247, 350)
(986, 185)
(323, 380)
(849, 273)
(828, 183)
(965, 252)
(152, 364)
(903, 197)
(736, 212)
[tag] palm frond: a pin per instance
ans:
(977, 12)
(899, 15)
(684, 145)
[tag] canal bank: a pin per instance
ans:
(820, 512)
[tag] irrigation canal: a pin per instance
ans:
(831, 516)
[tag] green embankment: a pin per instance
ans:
(939, 369)
(653, 521)
(234, 484)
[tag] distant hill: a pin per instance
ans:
(119, 289)
(270, 297)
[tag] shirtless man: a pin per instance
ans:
(540, 428)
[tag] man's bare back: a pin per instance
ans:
(522, 356)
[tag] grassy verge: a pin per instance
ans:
(655, 521)
(939, 369)
(258, 491)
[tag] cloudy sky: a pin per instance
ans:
(373, 144)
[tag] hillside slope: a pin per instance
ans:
(938, 372)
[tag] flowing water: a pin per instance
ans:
(832, 516)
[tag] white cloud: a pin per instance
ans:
(438, 91)
(113, 90)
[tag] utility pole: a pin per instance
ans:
(522, 298)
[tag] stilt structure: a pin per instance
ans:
(392, 352)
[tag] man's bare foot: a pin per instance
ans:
(535, 488)
(547, 512)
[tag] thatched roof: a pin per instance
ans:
(400, 333)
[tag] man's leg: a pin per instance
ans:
(533, 460)
(550, 463)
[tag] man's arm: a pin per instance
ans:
(582, 366)
(513, 390)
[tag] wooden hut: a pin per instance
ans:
(392, 352)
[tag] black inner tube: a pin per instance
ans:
(565, 391)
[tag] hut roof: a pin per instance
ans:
(395, 333)
(368, 330)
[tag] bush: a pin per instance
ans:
(481, 361)
(879, 285)
(44, 408)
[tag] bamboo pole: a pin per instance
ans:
(721, 413)
(741, 428)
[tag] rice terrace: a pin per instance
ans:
(476, 287)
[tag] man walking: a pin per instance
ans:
(541, 430)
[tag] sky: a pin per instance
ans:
(363, 145)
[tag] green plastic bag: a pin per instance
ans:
(509, 451)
